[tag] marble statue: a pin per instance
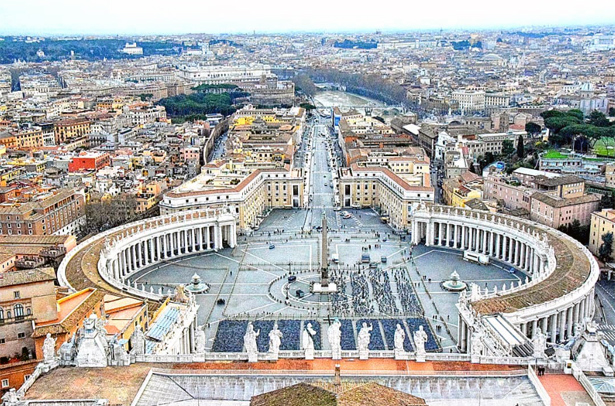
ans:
(180, 294)
(578, 329)
(11, 398)
(540, 344)
(249, 341)
(118, 356)
(399, 338)
(93, 347)
(137, 341)
(49, 348)
(275, 339)
(363, 340)
(335, 339)
(477, 344)
(307, 341)
(200, 340)
(420, 338)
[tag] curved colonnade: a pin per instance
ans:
(122, 251)
(561, 273)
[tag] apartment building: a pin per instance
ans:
(248, 192)
(550, 199)
(57, 213)
(89, 161)
(377, 186)
(67, 129)
(602, 222)
(29, 138)
(25, 296)
(555, 211)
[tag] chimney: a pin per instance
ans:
(337, 380)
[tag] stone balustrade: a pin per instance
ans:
(560, 272)
(125, 250)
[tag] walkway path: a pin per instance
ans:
(564, 390)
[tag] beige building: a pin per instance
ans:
(556, 211)
(26, 296)
(249, 192)
(610, 174)
(380, 188)
(602, 222)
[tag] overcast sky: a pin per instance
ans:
(68, 17)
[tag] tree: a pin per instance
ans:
(606, 248)
(607, 201)
(507, 147)
(598, 119)
(532, 128)
(520, 147)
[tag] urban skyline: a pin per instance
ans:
(417, 218)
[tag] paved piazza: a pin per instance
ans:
(252, 278)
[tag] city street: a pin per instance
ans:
(605, 309)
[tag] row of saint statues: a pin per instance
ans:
(334, 335)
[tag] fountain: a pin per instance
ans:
(197, 286)
(454, 284)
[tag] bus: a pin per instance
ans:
(475, 257)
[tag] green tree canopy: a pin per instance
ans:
(507, 147)
(520, 147)
(598, 119)
(606, 248)
(532, 128)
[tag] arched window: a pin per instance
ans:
(1, 314)
(18, 309)
(28, 311)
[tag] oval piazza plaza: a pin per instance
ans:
(556, 295)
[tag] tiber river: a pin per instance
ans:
(333, 98)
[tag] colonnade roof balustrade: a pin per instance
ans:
(575, 270)
(572, 269)
(79, 269)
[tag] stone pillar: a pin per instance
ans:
(198, 239)
(134, 257)
(440, 235)
(534, 327)
(207, 236)
(570, 318)
(454, 240)
(459, 324)
(543, 325)
(470, 238)
(562, 325)
(497, 245)
(463, 237)
(510, 250)
(122, 263)
(553, 327)
(575, 316)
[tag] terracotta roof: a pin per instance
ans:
(393, 177)
(74, 317)
(572, 269)
(561, 202)
(557, 181)
(21, 277)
